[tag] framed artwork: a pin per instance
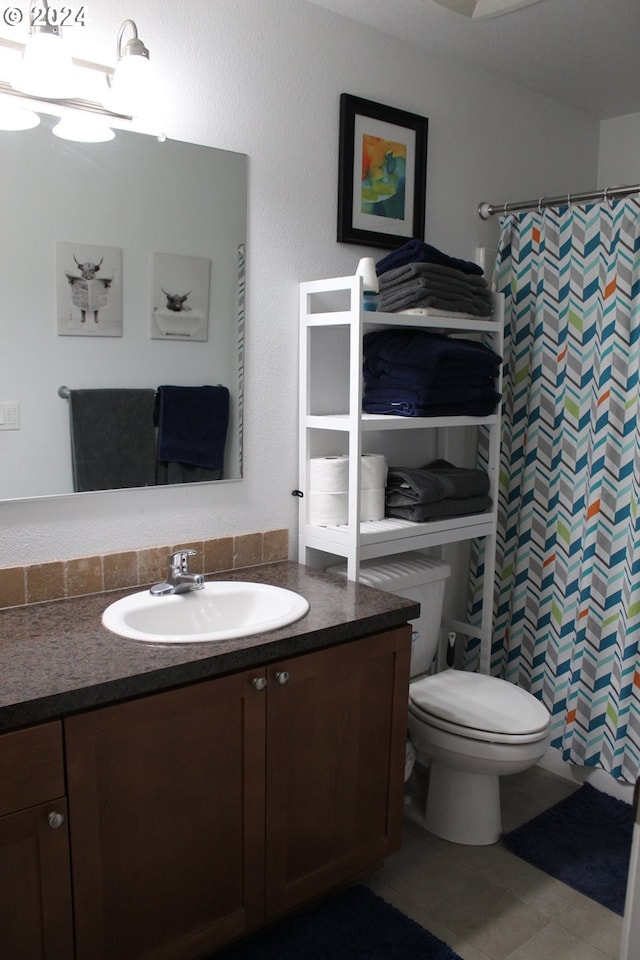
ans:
(88, 290)
(382, 176)
(180, 297)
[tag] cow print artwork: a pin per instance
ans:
(88, 290)
(181, 297)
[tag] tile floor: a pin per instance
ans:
(488, 904)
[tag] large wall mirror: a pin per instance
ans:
(122, 267)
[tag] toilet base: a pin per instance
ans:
(462, 807)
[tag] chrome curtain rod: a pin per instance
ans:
(486, 210)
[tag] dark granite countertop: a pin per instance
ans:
(56, 658)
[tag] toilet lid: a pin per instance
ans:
(479, 703)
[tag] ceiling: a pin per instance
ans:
(583, 53)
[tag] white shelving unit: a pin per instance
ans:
(332, 325)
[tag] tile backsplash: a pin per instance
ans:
(58, 579)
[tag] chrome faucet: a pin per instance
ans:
(179, 580)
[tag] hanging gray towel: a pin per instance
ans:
(112, 438)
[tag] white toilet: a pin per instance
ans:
(470, 729)
(467, 728)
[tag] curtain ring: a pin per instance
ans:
(504, 209)
(568, 199)
(540, 199)
(606, 198)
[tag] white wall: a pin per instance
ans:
(264, 78)
(619, 155)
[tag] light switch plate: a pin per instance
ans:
(9, 416)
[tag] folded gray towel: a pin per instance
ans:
(441, 286)
(440, 290)
(433, 271)
(414, 295)
(441, 509)
(438, 286)
(436, 481)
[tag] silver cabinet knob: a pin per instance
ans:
(259, 682)
(55, 819)
(282, 676)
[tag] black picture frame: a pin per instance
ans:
(366, 130)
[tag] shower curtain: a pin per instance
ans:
(567, 596)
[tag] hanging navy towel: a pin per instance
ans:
(112, 438)
(192, 425)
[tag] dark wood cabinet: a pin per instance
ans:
(35, 883)
(199, 814)
(166, 805)
(336, 732)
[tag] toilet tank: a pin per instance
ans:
(417, 577)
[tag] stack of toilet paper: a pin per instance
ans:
(329, 489)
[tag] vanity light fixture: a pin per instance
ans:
(46, 67)
(130, 85)
(94, 93)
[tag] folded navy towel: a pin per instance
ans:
(439, 480)
(432, 351)
(416, 251)
(192, 425)
(398, 376)
(406, 406)
(426, 396)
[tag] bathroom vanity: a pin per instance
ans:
(162, 801)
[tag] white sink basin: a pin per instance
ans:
(222, 610)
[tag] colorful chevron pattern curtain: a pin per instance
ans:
(567, 603)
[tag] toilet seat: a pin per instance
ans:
(478, 707)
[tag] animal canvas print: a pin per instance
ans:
(180, 295)
(89, 290)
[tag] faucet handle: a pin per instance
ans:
(179, 561)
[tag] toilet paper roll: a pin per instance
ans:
(328, 474)
(329, 489)
(372, 504)
(328, 509)
(332, 509)
(331, 474)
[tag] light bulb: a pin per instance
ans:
(130, 92)
(130, 85)
(84, 128)
(17, 118)
(46, 68)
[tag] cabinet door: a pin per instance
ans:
(166, 807)
(35, 886)
(336, 732)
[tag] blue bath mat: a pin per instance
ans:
(585, 841)
(353, 925)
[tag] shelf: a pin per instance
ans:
(343, 314)
(343, 318)
(331, 378)
(375, 421)
(394, 530)
(336, 318)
